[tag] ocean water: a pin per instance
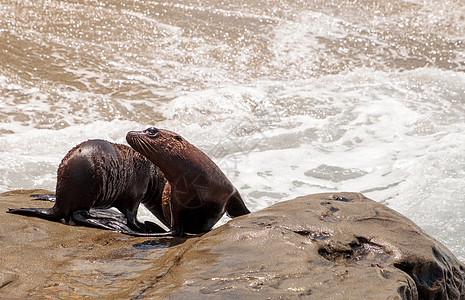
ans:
(288, 97)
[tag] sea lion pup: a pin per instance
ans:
(197, 193)
(100, 174)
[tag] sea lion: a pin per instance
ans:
(197, 193)
(99, 174)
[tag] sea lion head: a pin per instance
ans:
(159, 145)
(173, 154)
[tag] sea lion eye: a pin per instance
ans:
(178, 138)
(151, 131)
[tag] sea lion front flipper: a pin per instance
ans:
(151, 227)
(236, 206)
(146, 227)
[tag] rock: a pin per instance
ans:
(340, 246)
(336, 246)
(44, 259)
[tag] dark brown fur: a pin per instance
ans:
(100, 174)
(197, 193)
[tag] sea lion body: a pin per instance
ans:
(100, 174)
(197, 193)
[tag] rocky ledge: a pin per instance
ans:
(333, 246)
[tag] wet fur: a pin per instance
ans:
(197, 193)
(100, 174)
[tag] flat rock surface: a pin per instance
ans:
(333, 246)
(44, 258)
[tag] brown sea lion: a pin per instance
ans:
(99, 174)
(197, 193)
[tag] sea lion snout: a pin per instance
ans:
(132, 135)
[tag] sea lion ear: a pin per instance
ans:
(179, 138)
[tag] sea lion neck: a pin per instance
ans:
(174, 155)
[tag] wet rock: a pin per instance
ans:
(336, 246)
(339, 246)
(44, 259)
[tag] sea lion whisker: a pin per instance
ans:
(137, 143)
(146, 147)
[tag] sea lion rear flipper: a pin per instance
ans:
(236, 206)
(44, 213)
(84, 218)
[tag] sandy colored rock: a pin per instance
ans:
(336, 246)
(44, 258)
(332, 246)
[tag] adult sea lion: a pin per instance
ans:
(197, 193)
(100, 174)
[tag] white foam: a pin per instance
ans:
(30, 156)
(384, 134)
